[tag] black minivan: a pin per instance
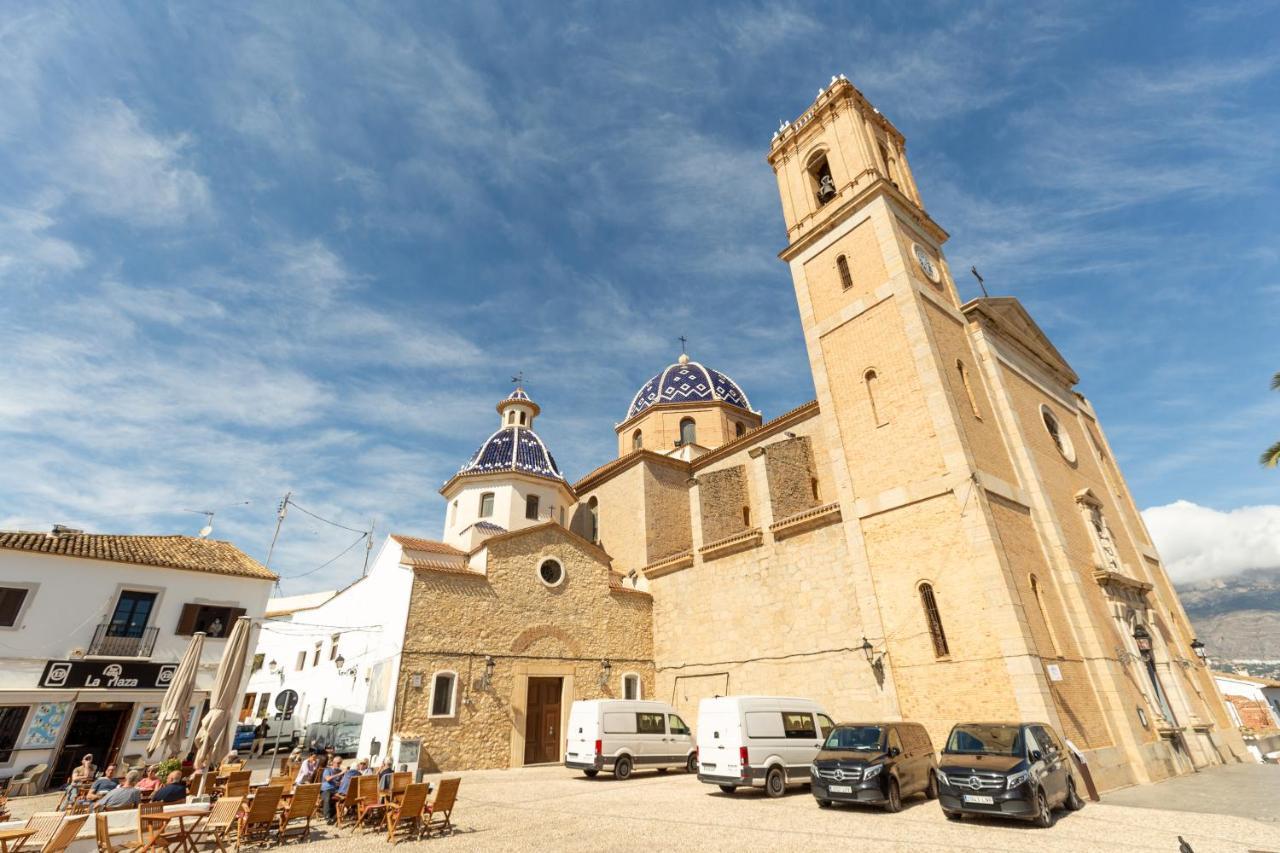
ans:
(1017, 770)
(877, 763)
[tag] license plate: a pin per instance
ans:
(707, 765)
(980, 799)
(841, 789)
(573, 755)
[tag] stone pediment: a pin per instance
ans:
(1006, 316)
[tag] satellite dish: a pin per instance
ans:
(205, 531)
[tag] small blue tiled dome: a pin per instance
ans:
(688, 382)
(513, 448)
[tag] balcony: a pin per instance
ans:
(113, 641)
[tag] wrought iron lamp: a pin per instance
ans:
(1143, 638)
(1198, 648)
(605, 669)
(487, 678)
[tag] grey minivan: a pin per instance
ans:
(874, 763)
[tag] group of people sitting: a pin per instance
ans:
(107, 791)
(335, 779)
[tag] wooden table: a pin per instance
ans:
(18, 834)
(183, 836)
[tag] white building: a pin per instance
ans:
(91, 629)
(1254, 705)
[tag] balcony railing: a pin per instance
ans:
(111, 641)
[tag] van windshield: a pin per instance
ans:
(986, 740)
(859, 738)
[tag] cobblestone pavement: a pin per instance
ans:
(549, 808)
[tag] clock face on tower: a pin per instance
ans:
(926, 264)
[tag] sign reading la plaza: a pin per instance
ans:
(107, 675)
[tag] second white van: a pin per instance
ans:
(759, 741)
(625, 734)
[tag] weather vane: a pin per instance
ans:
(518, 379)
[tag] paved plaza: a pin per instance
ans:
(549, 808)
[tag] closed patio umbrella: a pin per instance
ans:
(215, 736)
(166, 740)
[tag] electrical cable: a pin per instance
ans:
(327, 563)
(294, 504)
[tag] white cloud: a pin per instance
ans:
(1197, 542)
(26, 244)
(117, 168)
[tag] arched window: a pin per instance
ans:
(968, 389)
(486, 504)
(1044, 614)
(824, 186)
(872, 381)
(637, 440)
(746, 516)
(444, 694)
(930, 605)
(813, 486)
(593, 519)
(631, 686)
(522, 418)
(846, 279)
(511, 418)
(688, 431)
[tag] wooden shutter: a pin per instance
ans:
(232, 615)
(187, 621)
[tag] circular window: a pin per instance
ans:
(927, 266)
(1060, 438)
(551, 572)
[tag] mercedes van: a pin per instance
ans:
(876, 763)
(759, 741)
(625, 734)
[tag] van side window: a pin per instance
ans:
(650, 724)
(797, 725)
(676, 725)
(1048, 742)
(894, 741)
(825, 724)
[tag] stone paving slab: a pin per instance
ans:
(1245, 790)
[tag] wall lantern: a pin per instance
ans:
(1198, 648)
(605, 669)
(487, 678)
(272, 666)
(339, 661)
(875, 661)
(1143, 639)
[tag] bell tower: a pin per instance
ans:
(892, 364)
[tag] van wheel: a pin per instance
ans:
(956, 816)
(1073, 802)
(622, 768)
(728, 789)
(894, 802)
(1044, 814)
(931, 790)
(691, 766)
(824, 804)
(775, 783)
(663, 769)
(590, 774)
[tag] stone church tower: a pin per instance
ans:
(975, 479)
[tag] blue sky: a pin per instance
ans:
(275, 247)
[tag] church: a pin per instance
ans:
(943, 534)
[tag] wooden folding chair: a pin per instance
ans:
(301, 808)
(369, 807)
(217, 827)
(256, 823)
(440, 809)
(102, 832)
(78, 806)
(64, 834)
(407, 816)
(45, 824)
(284, 783)
(399, 782)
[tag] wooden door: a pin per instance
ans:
(542, 721)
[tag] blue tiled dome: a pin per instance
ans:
(513, 448)
(688, 382)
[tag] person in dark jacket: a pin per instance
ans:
(174, 790)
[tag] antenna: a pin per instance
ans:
(281, 511)
(368, 546)
(208, 521)
(981, 283)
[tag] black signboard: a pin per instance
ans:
(107, 675)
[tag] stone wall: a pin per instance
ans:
(721, 497)
(668, 525)
(792, 475)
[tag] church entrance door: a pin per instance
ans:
(542, 721)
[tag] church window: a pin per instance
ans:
(688, 431)
(1044, 613)
(593, 519)
(1060, 438)
(551, 572)
(631, 686)
(813, 487)
(739, 429)
(746, 516)
(968, 389)
(444, 690)
(824, 186)
(486, 505)
(888, 169)
(934, 620)
(637, 440)
(872, 381)
(531, 507)
(522, 418)
(846, 278)
(453, 512)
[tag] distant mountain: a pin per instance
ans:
(1237, 617)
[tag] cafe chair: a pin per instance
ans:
(369, 807)
(406, 817)
(64, 835)
(217, 828)
(257, 822)
(45, 824)
(440, 809)
(102, 832)
(302, 807)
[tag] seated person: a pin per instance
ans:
(148, 784)
(329, 781)
(344, 786)
(122, 796)
(174, 790)
(104, 783)
(384, 775)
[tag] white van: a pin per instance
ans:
(759, 741)
(623, 734)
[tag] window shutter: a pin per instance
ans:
(233, 614)
(187, 621)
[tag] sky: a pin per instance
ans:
(258, 248)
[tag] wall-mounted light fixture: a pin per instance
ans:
(1143, 638)
(340, 662)
(272, 666)
(605, 669)
(874, 660)
(486, 679)
(1198, 648)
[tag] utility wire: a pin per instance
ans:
(294, 504)
(359, 539)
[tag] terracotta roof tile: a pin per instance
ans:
(413, 543)
(446, 566)
(616, 585)
(170, 552)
